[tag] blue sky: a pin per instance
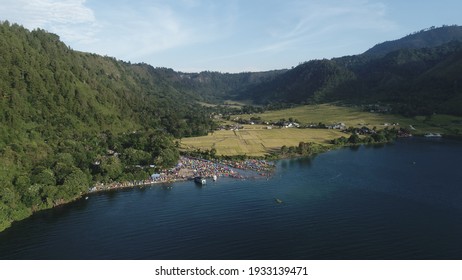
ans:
(228, 35)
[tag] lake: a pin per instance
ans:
(396, 201)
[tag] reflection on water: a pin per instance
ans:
(354, 148)
(305, 161)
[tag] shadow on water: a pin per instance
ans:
(375, 146)
(51, 215)
(166, 187)
(110, 195)
(200, 186)
(306, 161)
(296, 162)
(354, 148)
(45, 218)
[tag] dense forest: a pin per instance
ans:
(215, 87)
(418, 74)
(69, 119)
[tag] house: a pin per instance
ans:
(290, 124)
(340, 126)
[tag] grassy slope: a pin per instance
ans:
(256, 140)
(325, 113)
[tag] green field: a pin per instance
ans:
(329, 114)
(256, 140)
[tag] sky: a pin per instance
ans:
(228, 35)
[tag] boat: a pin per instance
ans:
(200, 180)
(215, 178)
(278, 201)
(432, 135)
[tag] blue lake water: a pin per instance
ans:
(397, 201)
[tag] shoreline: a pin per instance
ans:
(186, 169)
(234, 167)
(227, 164)
(230, 164)
(190, 167)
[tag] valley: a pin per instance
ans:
(258, 140)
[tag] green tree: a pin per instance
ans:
(354, 139)
(44, 177)
(76, 182)
(63, 166)
(111, 168)
(304, 148)
(133, 156)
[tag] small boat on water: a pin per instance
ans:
(432, 135)
(278, 201)
(214, 178)
(200, 180)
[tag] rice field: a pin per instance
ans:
(256, 140)
(328, 114)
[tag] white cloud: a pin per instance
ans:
(70, 19)
(317, 20)
(191, 3)
(198, 31)
(297, 30)
(135, 32)
(139, 31)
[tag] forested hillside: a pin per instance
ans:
(426, 38)
(412, 80)
(214, 86)
(69, 119)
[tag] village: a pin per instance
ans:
(188, 168)
(290, 123)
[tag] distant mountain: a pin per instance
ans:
(427, 38)
(215, 86)
(313, 81)
(413, 80)
(302, 84)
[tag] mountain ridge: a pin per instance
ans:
(396, 77)
(425, 38)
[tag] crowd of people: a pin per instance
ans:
(263, 167)
(188, 168)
